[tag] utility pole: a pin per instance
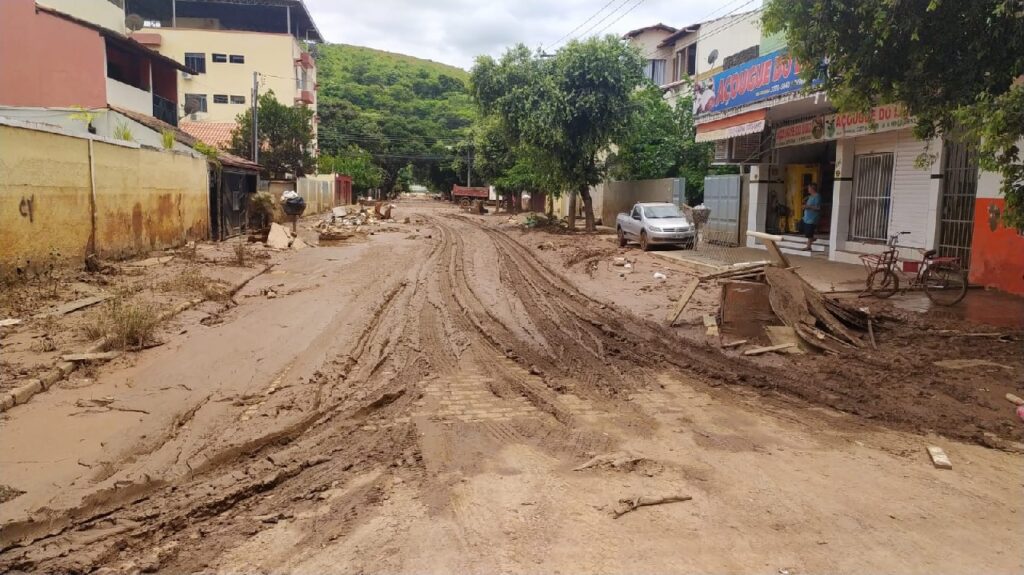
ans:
(255, 117)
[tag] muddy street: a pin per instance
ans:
(442, 398)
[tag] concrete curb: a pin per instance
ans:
(26, 391)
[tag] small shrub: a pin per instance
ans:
(191, 281)
(242, 254)
(124, 325)
(167, 137)
(123, 131)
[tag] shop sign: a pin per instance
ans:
(846, 125)
(759, 79)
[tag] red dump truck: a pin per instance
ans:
(464, 196)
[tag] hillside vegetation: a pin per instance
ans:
(396, 109)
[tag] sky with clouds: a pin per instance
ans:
(456, 31)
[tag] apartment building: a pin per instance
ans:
(226, 43)
(676, 58)
(61, 62)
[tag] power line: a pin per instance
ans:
(623, 15)
(607, 16)
(584, 23)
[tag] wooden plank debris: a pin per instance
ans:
(736, 343)
(939, 457)
(624, 506)
(968, 364)
(1014, 399)
(9, 322)
(683, 300)
(104, 356)
(782, 334)
(770, 348)
(73, 306)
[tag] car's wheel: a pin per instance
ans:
(644, 245)
(622, 238)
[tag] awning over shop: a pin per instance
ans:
(732, 127)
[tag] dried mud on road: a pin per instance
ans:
(464, 387)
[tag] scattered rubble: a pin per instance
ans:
(939, 457)
(346, 222)
(625, 506)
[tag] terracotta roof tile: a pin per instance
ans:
(216, 134)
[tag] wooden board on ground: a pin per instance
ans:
(770, 348)
(783, 334)
(800, 306)
(775, 254)
(683, 300)
(73, 306)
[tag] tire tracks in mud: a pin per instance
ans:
(432, 324)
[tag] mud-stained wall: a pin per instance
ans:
(145, 199)
(148, 200)
(44, 196)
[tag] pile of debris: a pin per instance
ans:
(344, 222)
(770, 292)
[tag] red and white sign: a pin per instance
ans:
(845, 125)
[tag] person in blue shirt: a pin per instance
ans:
(812, 211)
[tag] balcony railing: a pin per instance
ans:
(166, 110)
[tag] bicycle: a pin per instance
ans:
(941, 278)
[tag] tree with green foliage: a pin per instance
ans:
(405, 179)
(956, 65)
(658, 142)
(398, 108)
(567, 107)
(357, 163)
(512, 169)
(285, 135)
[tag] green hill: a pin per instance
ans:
(400, 108)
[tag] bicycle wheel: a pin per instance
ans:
(884, 282)
(945, 284)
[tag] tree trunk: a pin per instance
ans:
(588, 207)
(550, 201)
(572, 211)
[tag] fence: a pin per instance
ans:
(65, 195)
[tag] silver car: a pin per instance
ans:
(655, 223)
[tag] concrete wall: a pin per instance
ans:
(273, 55)
(100, 12)
(728, 35)
(318, 192)
(144, 199)
(48, 61)
(620, 196)
(997, 252)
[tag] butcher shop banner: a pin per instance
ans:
(835, 126)
(766, 77)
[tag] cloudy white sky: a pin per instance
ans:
(456, 31)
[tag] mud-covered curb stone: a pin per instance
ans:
(25, 392)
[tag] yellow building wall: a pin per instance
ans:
(145, 199)
(44, 197)
(148, 200)
(272, 55)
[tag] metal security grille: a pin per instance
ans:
(959, 189)
(872, 195)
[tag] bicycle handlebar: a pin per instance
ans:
(896, 236)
